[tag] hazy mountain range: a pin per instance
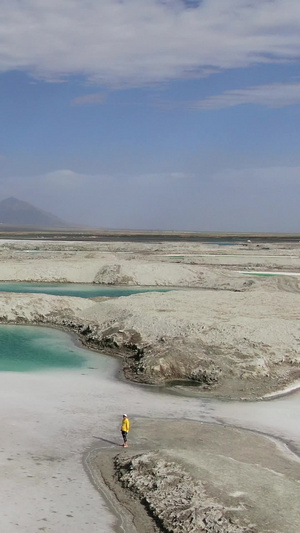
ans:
(19, 213)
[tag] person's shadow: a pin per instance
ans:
(106, 440)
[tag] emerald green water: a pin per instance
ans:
(82, 290)
(27, 349)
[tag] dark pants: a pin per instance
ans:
(124, 435)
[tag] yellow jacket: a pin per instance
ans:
(125, 425)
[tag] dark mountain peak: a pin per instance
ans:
(11, 200)
(19, 212)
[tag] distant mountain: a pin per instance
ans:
(19, 213)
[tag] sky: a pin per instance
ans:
(153, 114)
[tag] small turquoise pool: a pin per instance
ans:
(27, 349)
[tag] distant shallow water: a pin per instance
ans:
(82, 290)
(223, 243)
(272, 273)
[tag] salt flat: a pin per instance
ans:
(49, 419)
(237, 336)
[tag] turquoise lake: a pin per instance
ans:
(82, 290)
(27, 349)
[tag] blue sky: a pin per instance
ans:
(153, 114)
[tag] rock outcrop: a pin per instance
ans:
(177, 502)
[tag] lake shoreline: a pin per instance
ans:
(103, 466)
(234, 335)
(123, 355)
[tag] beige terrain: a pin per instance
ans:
(195, 477)
(223, 328)
(232, 333)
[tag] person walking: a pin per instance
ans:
(125, 429)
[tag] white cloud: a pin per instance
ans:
(161, 177)
(272, 95)
(60, 180)
(141, 41)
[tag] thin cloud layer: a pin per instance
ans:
(247, 199)
(89, 99)
(135, 42)
(273, 95)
